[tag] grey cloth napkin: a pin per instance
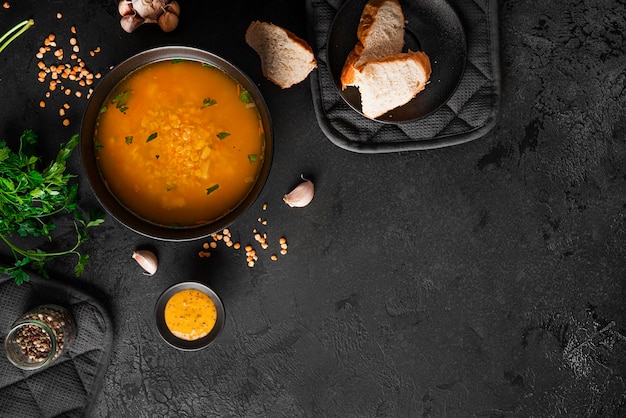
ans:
(67, 387)
(469, 114)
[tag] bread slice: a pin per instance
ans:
(380, 33)
(392, 81)
(285, 58)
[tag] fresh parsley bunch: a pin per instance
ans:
(29, 199)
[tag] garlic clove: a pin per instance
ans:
(147, 260)
(149, 9)
(173, 7)
(302, 195)
(168, 21)
(125, 7)
(131, 22)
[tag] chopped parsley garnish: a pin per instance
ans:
(244, 96)
(252, 158)
(151, 137)
(223, 135)
(212, 188)
(98, 146)
(157, 156)
(206, 64)
(177, 60)
(120, 100)
(207, 101)
(103, 109)
(129, 139)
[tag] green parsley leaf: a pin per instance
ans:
(244, 96)
(129, 139)
(223, 135)
(121, 99)
(212, 188)
(98, 146)
(207, 101)
(30, 196)
(103, 109)
(151, 137)
(253, 158)
(178, 60)
(207, 65)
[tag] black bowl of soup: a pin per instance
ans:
(176, 143)
(189, 315)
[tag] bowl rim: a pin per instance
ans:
(87, 149)
(166, 334)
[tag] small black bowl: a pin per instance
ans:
(88, 153)
(174, 341)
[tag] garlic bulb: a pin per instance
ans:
(147, 260)
(301, 195)
(137, 12)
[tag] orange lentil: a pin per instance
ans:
(68, 92)
(59, 15)
(76, 48)
(66, 122)
(61, 112)
(205, 245)
(73, 29)
(237, 246)
(73, 41)
(66, 105)
(213, 244)
(42, 104)
(78, 93)
(273, 257)
(6, 5)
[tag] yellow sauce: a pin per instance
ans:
(190, 314)
(179, 143)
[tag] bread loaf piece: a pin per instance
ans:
(285, 58)
(380, 34)
(392, 81)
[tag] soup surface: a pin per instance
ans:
(179, 143)
(190, 314)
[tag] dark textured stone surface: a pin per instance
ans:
(481, 280)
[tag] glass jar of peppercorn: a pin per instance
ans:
(40, 336)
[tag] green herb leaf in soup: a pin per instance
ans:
(212, 188)
(207, 101)
(223, 135)
(151, 137)
(121, 100)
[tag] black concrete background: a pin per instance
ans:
(482, 280)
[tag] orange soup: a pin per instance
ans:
(190, 314)
(179, 143)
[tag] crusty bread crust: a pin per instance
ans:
(286, 59)
(370, 28)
